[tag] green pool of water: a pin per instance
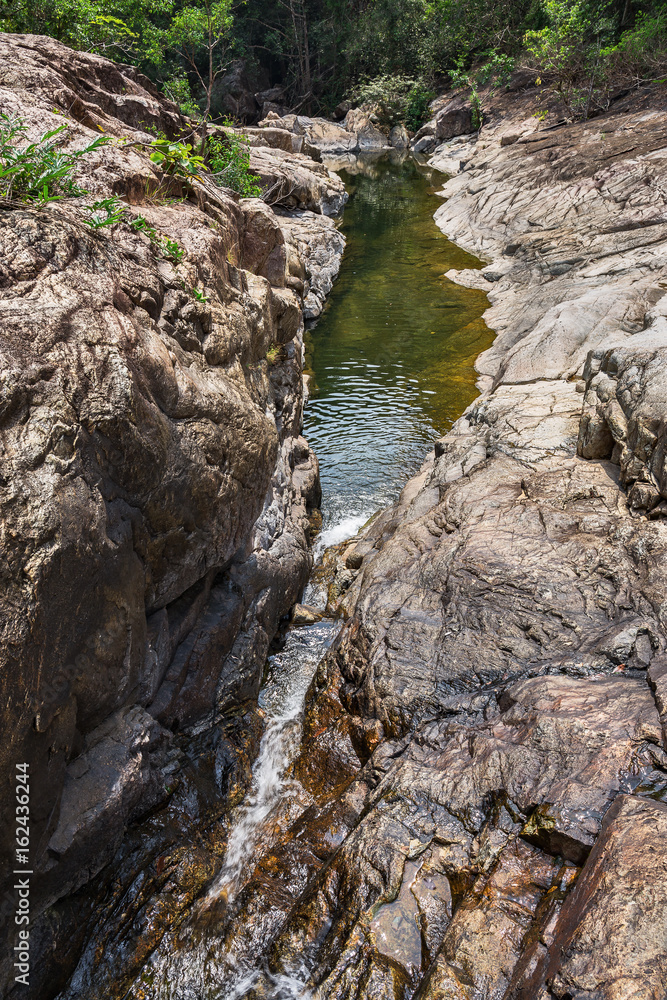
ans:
(391, 358)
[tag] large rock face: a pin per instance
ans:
(155, 491)
(488, 730)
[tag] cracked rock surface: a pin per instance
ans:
(155, 493)
(487, 733)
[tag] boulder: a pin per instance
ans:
(456, 118)
(424, 146)
(233, 94)
(398, 137)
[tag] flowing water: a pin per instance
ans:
(391, 365)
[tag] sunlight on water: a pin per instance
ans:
(392, 357)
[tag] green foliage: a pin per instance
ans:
(177, 89)
(585, 56)
(39, 171)
(176, 158)
(199, 296)
(497, 69)
(229, 162)
(641, 53)
(569, 47)
(323, 49)
(170, 249)
(395, 99)
(106, 212)
(274, 354)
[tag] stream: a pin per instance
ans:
(391, 365)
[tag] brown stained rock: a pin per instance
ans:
(478, 817)
(305, 614)
(485, 939)
(657, 678)
(611, 936)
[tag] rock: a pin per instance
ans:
(157, 492)
(361, 122)
(325, 138)
(398, 137)
(504, 627)
(610, 936)
(273, 94)
(233, 95)
(424, 145)
(294, 181)
(271, 108)
(315, 247)
(116, 780)
(426, 130)
(452, 157)
(304, 614)
(456, 118)
(341, 110)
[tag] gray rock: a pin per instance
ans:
(424, 145)
(456, 118)
(398, 137)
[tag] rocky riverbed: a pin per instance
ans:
(495, 702)
(483, 770)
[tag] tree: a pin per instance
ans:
(199, 35)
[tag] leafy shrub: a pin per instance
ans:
(178, 90)
(641, 53)
(395, 99)
(569, 50)
(229, 163)
(40, 171)
(176, 158)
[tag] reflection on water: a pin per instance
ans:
(391, 359)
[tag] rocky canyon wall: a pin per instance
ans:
(156, 492)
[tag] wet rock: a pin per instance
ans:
(504, 624)
(305, 614)
(610, 937)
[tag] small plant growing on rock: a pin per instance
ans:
(170, 249)
(274, 354)
(176, 158)
(40, 171)
(229, 162)
(106, 212)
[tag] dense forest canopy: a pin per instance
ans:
(322, 51)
